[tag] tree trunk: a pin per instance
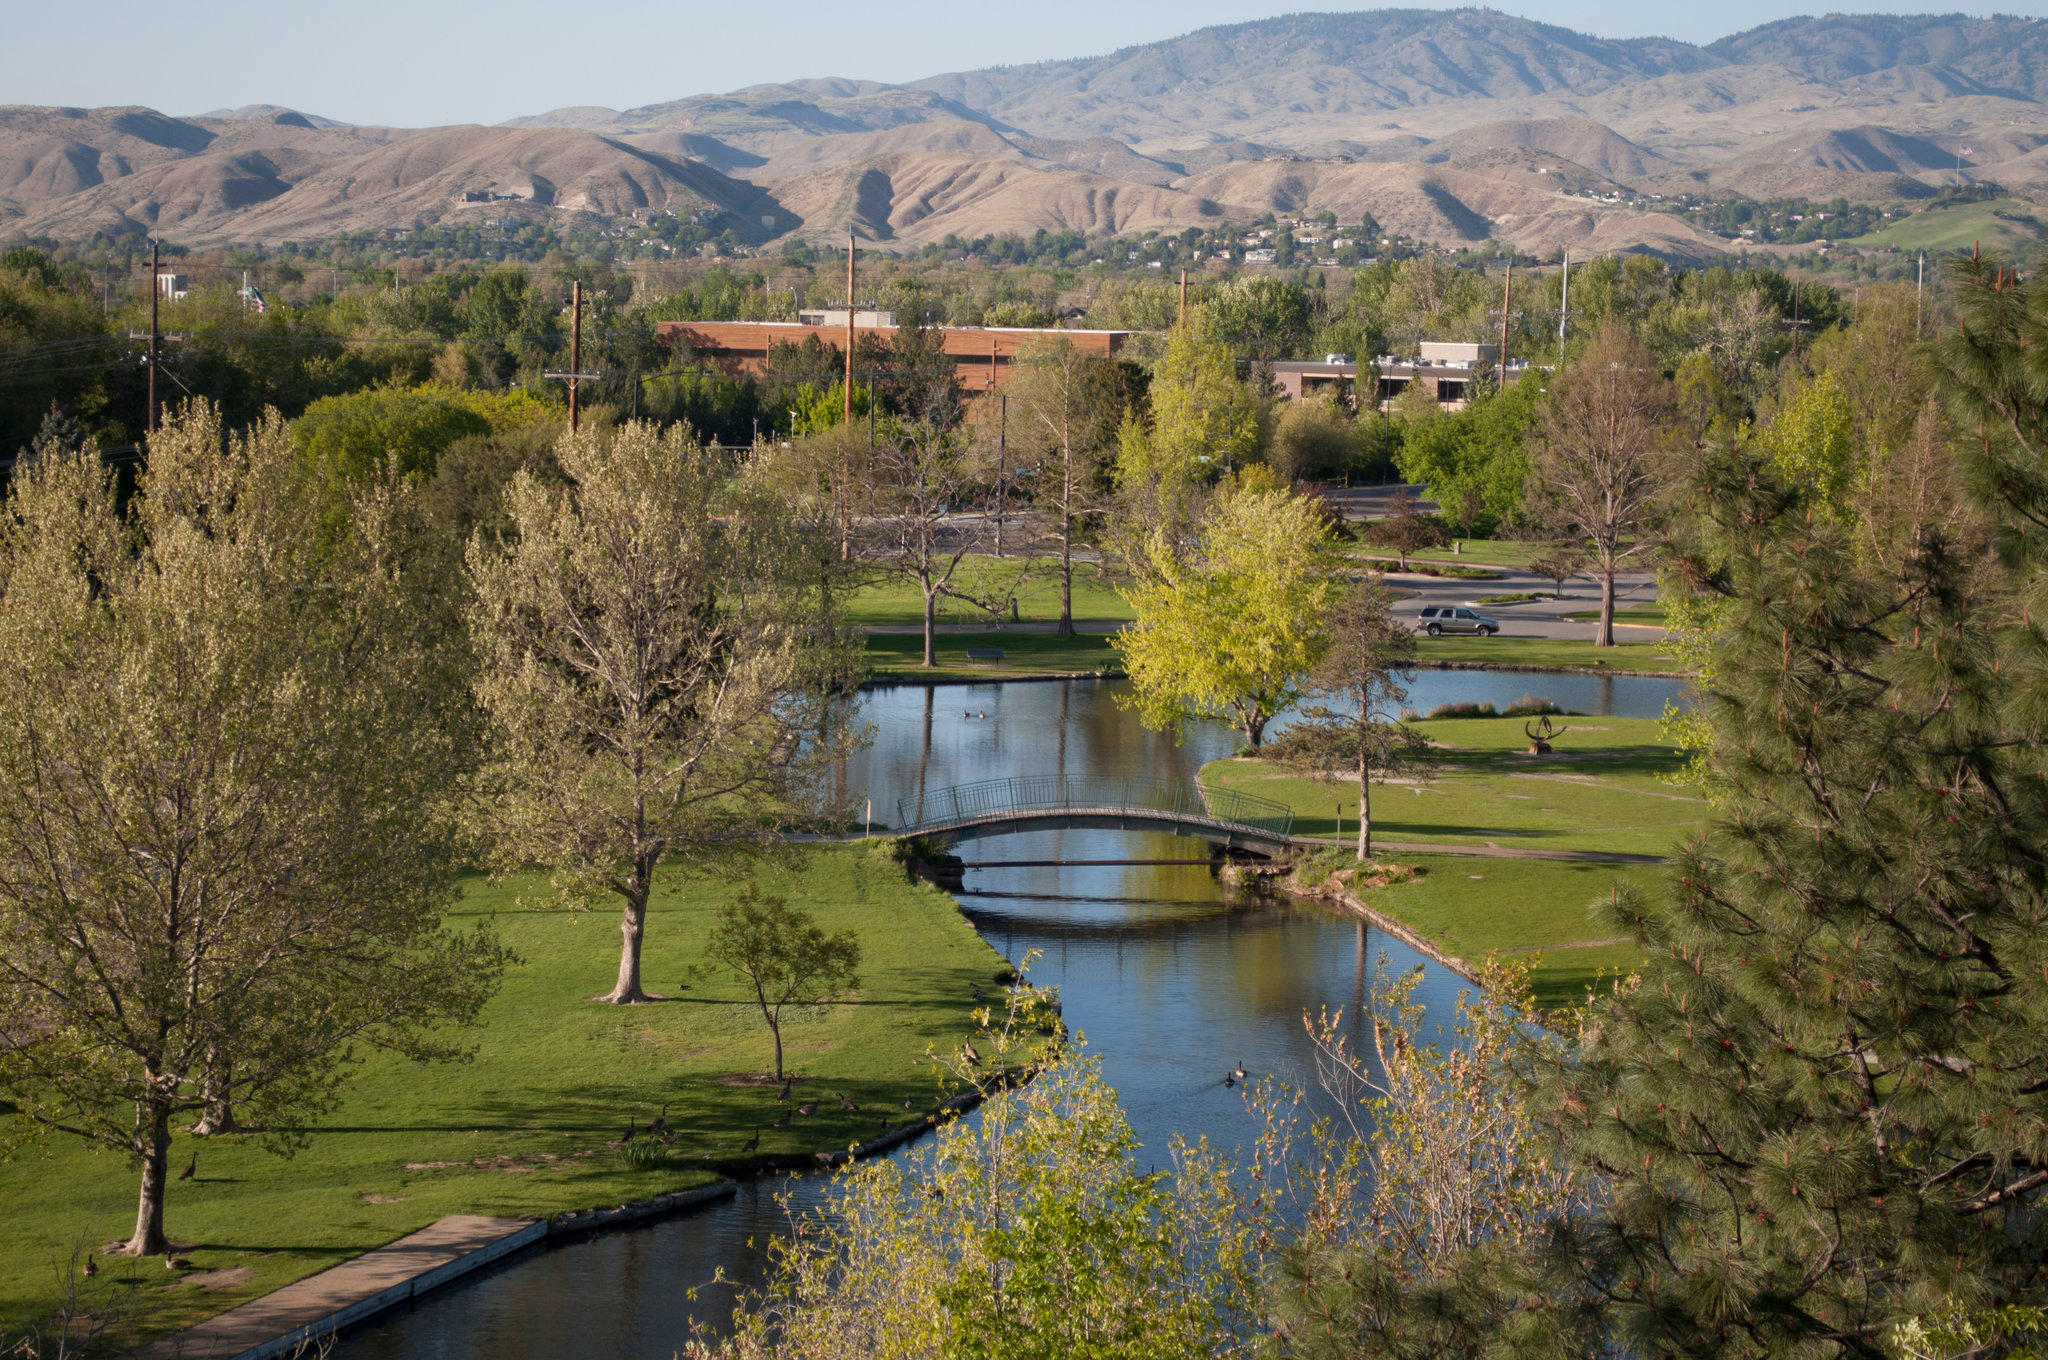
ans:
(931, 628)
(775, 1028)
(1604, 635)
(1066, 628)
(1364, 812)
(1255, 730)
(219, 1114)
(153, 1127)
(632, 926)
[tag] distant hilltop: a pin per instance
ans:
(1450, 126)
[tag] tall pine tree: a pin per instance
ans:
(1820, 1111)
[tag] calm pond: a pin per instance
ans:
(1171, 986)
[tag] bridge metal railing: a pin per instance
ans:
(1052, 793)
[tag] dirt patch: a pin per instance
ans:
(757, 1079)
(215, 1281)
(383, 1199)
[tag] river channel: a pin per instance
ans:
(1171, 986)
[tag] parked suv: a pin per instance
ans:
(1450, 618)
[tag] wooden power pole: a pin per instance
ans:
(1507, 302)
(846, 431)
(155, 291)
(575, 347)
(1183, 320)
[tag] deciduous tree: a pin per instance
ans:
(652, 671)
(228, 757)
(1353, 725)
(1231, 631)
(1064, 417)
(1600, 468)
(783, 956)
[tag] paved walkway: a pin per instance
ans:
(1487, 851)
(284, 1322)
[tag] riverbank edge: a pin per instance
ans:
(551, 1231)
(1332, 893)
(1533, 668)
(204, 1340)
(880, 678)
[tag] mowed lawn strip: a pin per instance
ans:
(1541, 909)
(900, 655)
(1600, 790)
(1509, 652)
(530, 1126)
(896, 600)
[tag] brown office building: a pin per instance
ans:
(982, 355)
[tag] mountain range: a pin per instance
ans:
(1450, 126)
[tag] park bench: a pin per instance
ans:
(984, 654)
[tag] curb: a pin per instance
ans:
(586, 1222)
(932, 681)
(1530, 668)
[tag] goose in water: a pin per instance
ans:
(1240, 1073)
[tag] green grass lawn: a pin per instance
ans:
(1996, 224)
(1534, 651)
(1643, 614)
(1600, 790)
(528, 1126)
(899, 601)
(1486, 552)
(1024, 654)
(1475, 907)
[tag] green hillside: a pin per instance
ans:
(2001, 224)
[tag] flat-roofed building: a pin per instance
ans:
(1449, 378)
(982, 355)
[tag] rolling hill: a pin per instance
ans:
(1454, 126)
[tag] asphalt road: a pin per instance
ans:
(1536, 618)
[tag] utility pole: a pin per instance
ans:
(1564, 302)
(1183, 298)
(575, 375)
(1507, 298)
(575, 343)
(845, 458)
(155, 291)
(1919, 296)
(1795, 323)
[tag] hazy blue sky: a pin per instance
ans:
(414, 62)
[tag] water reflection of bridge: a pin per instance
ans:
(1225, 819)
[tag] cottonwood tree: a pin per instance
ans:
(1230, 631)
(783, 956)
(653, 674)
(1028, 1230)
(1599, 467)
(1202, 415)
(228, 749)
(1353, 724)
(1065, 408)
(915, 529)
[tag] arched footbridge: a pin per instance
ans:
(993, 807)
